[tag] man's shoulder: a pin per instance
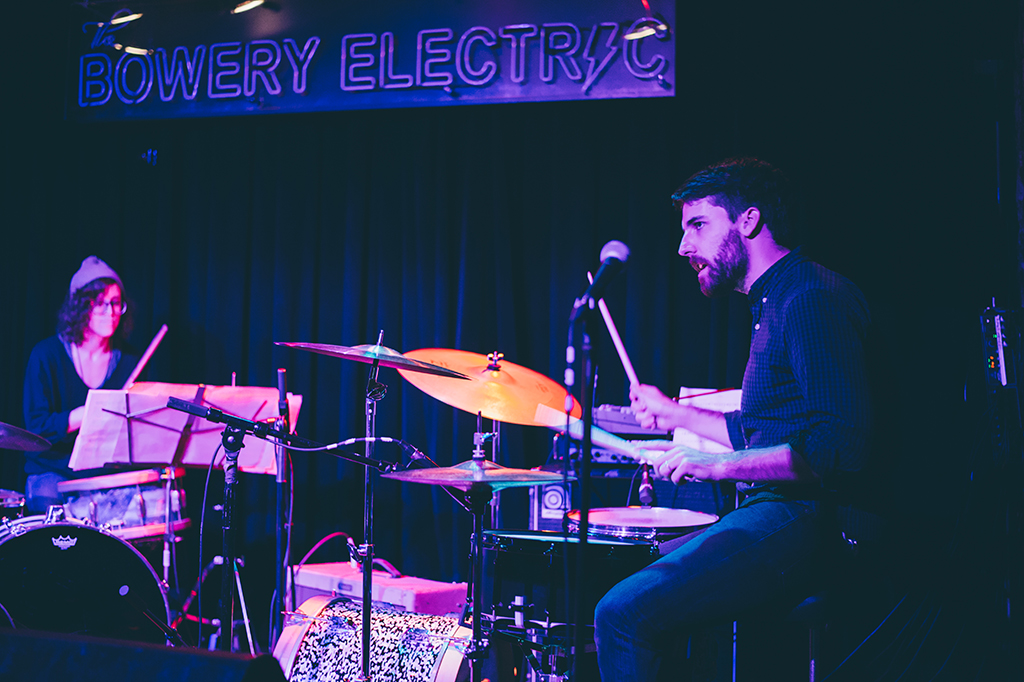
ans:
(808, 276)
(814, 289)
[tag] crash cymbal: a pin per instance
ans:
(468, 474)
(502, 391)
(367, 353)
(13, 438)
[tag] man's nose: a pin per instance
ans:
(685, 247)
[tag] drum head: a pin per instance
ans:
(638, 522)
(66, 577)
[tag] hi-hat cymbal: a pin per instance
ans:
(386, 357)
(13, 438)
(502, 391)
(473, 473)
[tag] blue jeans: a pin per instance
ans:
(768, 551)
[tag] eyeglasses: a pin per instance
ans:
(115, 306)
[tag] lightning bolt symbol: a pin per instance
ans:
(595, 70)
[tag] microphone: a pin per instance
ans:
(282, 393)
(190, 408)
(647, 498)
(614, 255)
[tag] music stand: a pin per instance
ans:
(135, 426)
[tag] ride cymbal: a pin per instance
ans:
(385, 357)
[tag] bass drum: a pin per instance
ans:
(323, 643)
(67, 577)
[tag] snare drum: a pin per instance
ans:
(531, 564)
(12, 504)
(324, 643)
(131, 504)
(653, 524)
(68, 577)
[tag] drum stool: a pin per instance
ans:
(813, 612)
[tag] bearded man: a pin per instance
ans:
(798, 440)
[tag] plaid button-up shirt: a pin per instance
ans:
(805, 382)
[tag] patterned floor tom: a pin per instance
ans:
(322, 642)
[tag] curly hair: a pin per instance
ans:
(74, 315)
(738, 184)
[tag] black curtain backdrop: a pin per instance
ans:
(473, 228)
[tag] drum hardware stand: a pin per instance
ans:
(494, 365)
(479, 497)
(170, 537)
(375, 391)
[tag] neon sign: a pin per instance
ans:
(236, 67)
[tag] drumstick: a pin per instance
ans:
(145, 357)
(623, 356)
(607, 441)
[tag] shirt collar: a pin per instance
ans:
(760, 287)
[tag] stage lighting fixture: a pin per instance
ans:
(246, 6)
(649, 27)
(124, 18)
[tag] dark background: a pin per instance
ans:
(472, 228)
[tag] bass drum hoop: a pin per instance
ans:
(293, 637)
(10, 531)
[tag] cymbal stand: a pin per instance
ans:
(374, 391)
(479, 497)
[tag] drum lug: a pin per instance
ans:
(54, 514)
(141, 502)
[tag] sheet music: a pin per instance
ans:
(719, 401)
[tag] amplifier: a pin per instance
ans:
(416, 595)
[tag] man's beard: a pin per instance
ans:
(729, 268)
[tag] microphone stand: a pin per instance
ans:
(283, 526)
(236, 428)
(582, 309)
(232, 439)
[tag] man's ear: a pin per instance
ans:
(750, 222)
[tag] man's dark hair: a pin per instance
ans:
(73, 317)
(738, 184)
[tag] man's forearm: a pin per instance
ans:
(775, 464)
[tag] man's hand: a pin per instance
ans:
(680, 463)
(653, 409)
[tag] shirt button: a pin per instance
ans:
(764, 300)
(757, 326)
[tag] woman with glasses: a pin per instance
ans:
(87, 352)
